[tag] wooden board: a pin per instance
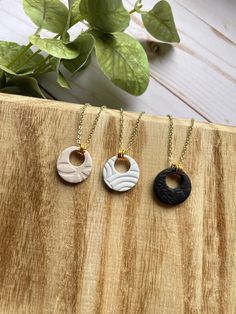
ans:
(195, 79)
(82, 249)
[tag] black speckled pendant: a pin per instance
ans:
(169, 195)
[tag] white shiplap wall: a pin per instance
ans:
(197, 78)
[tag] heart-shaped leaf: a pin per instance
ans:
(105, 15)
(55, 47)
(85, 43)
(47, 14)
(27, 86)
(159, 22)
(123, 60)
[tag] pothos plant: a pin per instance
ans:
(121, 57)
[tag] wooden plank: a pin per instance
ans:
(220, 15)
(196, 70)
(83, 249)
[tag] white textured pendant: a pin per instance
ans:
(117, 181)
(71, 173)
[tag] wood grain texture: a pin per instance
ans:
(220, 15)
(83, 249)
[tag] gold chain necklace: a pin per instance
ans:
(66, 170)
(115, 180)
(179, 166)
(122, 150)
(163, 192)
(83, 147)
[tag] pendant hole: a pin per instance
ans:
(122, 165)
(173, 180)
(76, 159)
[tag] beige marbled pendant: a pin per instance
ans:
(71, 173)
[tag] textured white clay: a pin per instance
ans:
(117, 181)
(71, 173)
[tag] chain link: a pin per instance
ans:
(122, 150)
(81, 124)
(121, 130)
(186, 144)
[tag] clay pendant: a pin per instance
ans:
(172, 196)
(117, 181)
(71, 173)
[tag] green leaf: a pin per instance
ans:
(47, 14)
(11, 90)
(61, 80)
(54, 63)
(2, 79)
(65, 38)
(55, 47)
(85, 65)
(10, 50)
(85, 43)
(27, 86)
(75, 15)
(30, 64)
(159, 22)
(124, 61)
(11, 72)
(7, 70)
(105, 15)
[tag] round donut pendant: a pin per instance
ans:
(172, 196)
(117, 181)
(71, 173)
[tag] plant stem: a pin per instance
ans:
(55, 37)
(47, 92)
(27, 60)
(68, 21)
(38, 31)
(43, 68)
(132, 11)
(136, 9)
(22, 52)
(42, 64)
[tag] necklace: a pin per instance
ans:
(66, 170)
(174, 196)
(117, 181)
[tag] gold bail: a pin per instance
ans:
(178, 167)
(82, 149)
(121, 153)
